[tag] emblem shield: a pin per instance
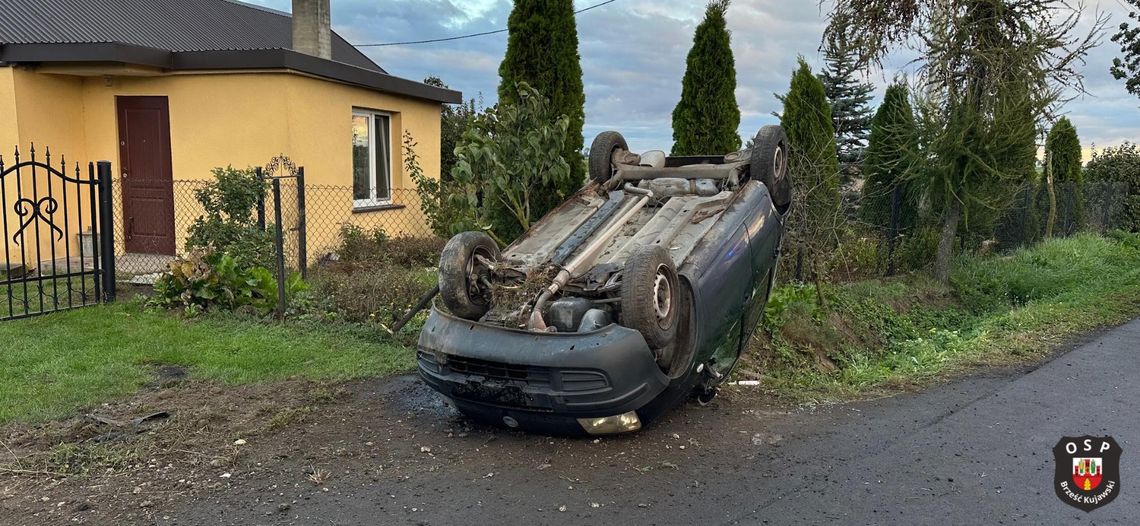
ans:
(1088, 471)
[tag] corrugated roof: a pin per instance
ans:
(172, 25)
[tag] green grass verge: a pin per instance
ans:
(54, 364)
(1000, 309)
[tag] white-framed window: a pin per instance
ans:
(371, 158)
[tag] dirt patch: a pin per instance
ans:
(279, 450)
(119, 462)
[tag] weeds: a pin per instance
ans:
(998, 310)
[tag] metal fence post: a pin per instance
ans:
(280, 240)
(302, 226)
(896, 199)
(260, 199)
(107, 231)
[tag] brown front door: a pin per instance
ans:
(147, 176)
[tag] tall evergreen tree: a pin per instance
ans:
(850, 110)
(813, 165)
(707, 118)
(1068, 179)
(988, 68)
(888, 164)
(542, 51)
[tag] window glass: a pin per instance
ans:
(361, 157)
(371, 158)
(383, 157)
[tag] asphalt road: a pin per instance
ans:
(975, 451)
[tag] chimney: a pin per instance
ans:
(312, 33)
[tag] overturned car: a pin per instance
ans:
(640, 290)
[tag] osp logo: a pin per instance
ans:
(1088, 471)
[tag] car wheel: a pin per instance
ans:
(463, 273)
(769, 165)
(602, 153)
(650, 295)
(705, 395)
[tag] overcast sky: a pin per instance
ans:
(633, 57)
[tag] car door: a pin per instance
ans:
(764, 232)
(722, 293)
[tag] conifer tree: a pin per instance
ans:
(813, 166)
(707, 118)
(888, 165)
(850, 110)
(1065, 149)
(542, 51)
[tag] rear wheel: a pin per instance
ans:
(650, 296)
(464, 275)
(602, 154)
(769, 165)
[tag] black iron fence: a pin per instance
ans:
(55, 219)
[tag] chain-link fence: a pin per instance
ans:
(884, 230)
(1105, 204)
(149, 234)
(331, 210)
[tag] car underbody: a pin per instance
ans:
(597, 312)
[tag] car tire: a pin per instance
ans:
(650, 298)
(459, 273)
(602, 153)
(769, 165)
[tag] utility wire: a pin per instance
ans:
(473, 35)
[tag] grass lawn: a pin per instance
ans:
(52, 292)
(999, 309)
(54, 364)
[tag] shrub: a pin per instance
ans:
(229, 225)
(916, 250)
(206, 280)
(861, 255)
(1119, 165)
(446, 215)
(510, 170)
(360, 246)
(414, 252)
(370, 293)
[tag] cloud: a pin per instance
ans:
(633, 57)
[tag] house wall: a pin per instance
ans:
(9, 136)
(240, 119)
(48, 115)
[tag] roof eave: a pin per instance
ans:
(289, 59)
(225, 60)
(87, 52)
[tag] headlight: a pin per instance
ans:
(610, 425)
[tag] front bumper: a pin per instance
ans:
(539, 380)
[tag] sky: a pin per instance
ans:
(633, 58)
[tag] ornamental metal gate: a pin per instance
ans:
(58, 236)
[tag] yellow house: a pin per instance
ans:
(168, 90)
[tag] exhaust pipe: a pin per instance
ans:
(588, 255)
